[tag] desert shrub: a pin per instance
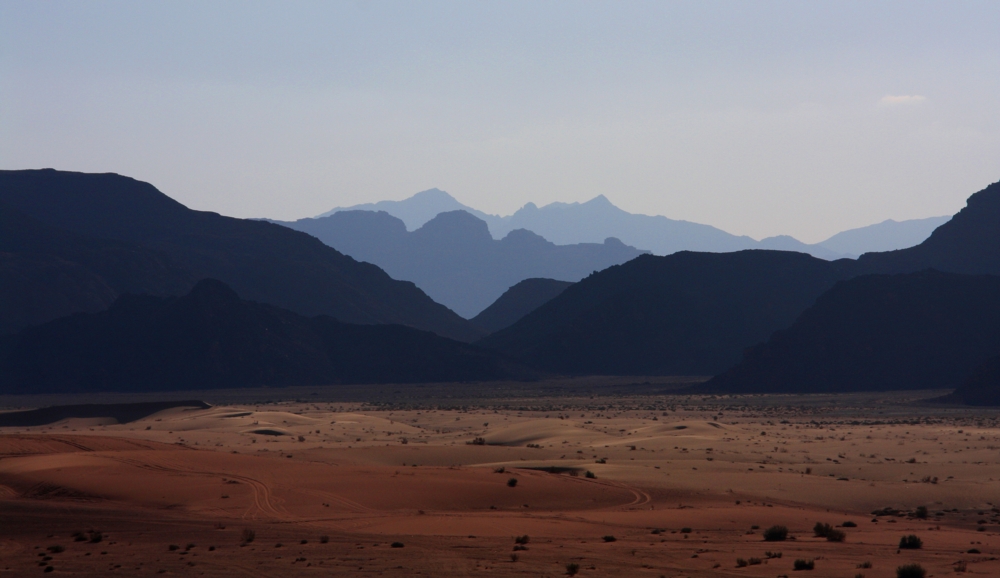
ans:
(572, 569)
(478, 442)
(302, 438)
(803, 565)
(776, 534)
(911, 571)
(609, 538)
(849, 524)
(173, 547)
(973, 551)
(304, 542)
(513, 557)
(278, 545)
(324, 539)
(921, 512)
(866, 564)
(755, 561)
(835, 535)
(396, 545)
(590, 475)
(95, 537)
(499, 470)
(911, 542)
(522, 539)
(685, 530)
(961, 566)
(741, 563)
(248, 535)
(56, 549)
(512, 482)
(769, 555)
(822, 530)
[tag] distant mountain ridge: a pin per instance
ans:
(76, 241)
(453, 257)
(597, 219)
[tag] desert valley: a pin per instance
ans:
(509, 484)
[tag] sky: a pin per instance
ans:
(760, 118)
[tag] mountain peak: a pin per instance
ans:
(434, 194)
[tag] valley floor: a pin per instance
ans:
(630, 485)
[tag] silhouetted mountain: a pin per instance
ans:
(888, 235)
(418, 209)
(453, 257)
(968, 243)
(598, 219)
(683, 314)
(264, 262)
(46, 273)
(694, 313)
(566, 223)
(787, 243)
(980, 388)
(210, 338)
(518, 301)
(878, 332)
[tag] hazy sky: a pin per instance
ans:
(761, 118)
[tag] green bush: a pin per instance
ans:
(776, 534)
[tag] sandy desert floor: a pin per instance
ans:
(651, 485)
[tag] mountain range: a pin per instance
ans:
(453, 257)
(75, 241)
(210, 338)
(597, 219)
(695, 313)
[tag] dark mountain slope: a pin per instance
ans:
(210, 338)
(262, 261)
(517, 302)
(46, 273)
(878, 332)
(981, 388)
(454, 258)
(968, 243)
(684, 314)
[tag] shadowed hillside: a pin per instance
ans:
(454, 258)
(46, 273)
(518, 301)
(968, 243)
(982, 387)
(684, 314)
(878, 332)
(210, 338)
(262, 261)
